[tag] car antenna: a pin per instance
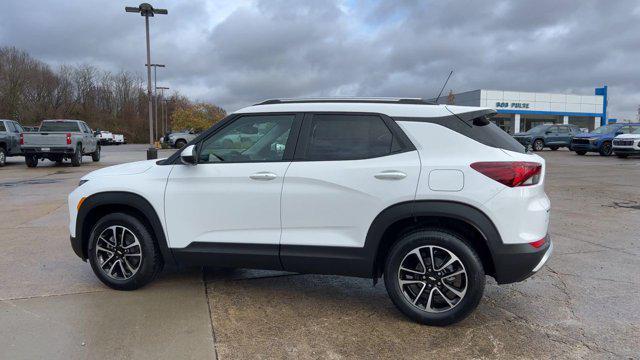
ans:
(443, 86)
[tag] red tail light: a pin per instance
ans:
(537, 244)
(68, 138)
(21, 139)
(510, 173)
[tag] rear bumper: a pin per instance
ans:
(51, 150)
(517, 262)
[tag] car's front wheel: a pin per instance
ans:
(3, 157)
(606, 149)
(434, 277)
(122, 252)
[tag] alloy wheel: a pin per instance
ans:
(118, 252)
(432, 278)
(3, 158)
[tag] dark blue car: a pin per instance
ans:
(600, 139)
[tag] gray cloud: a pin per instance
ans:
(235, 53)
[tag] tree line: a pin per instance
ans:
(31, 91)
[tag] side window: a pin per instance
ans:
(349, 137)
(2, 127)
(563, 129)
(10, 127)
(553, 129)
(625, 130)
(18, 127)
(249, 139)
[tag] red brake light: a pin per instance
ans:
(68, 138)
(537, 244)
(510, 173)
(21, 139)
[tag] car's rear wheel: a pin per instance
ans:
(95, 156)
(76, 158)
(31, 160)
(606, 149)
(3, 157)
(122, 252)
(434, 277)
(180, 144)
(538, 145)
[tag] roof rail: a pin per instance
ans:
(381, 100)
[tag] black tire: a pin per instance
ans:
(581, 152)
(3, 157)
(151, 261)
(443, 239)
(180, 144)
(538, 145)
(554, 148)
(31, 161)
(95, 156)
(76, 159)
(606, 149)
(622, 156)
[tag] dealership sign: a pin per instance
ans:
(514, 105)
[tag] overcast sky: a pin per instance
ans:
(235, 53)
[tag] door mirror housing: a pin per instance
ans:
(188, 155)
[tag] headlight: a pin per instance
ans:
(82, 182)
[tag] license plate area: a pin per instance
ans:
(45, 149)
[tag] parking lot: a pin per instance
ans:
(584, 303)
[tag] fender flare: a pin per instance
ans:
(430, 208)
(128, 199)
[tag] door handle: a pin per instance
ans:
(390, 175)
(263, 176)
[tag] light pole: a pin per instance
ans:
(155, 96)
(147, 10)
(162, 89)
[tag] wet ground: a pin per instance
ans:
(584, 303)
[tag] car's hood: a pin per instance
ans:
(122, 169)
(628, 136)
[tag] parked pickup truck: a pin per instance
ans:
(9, 140)
(58, 140)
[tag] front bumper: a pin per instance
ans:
(626, 151)
(76, 245)
(517, 262)
(584, 147)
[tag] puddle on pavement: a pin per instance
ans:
(29, 182)
(625, 205)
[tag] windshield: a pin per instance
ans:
(635, 130)
(537, 129)
(59, 126)
(604, 129)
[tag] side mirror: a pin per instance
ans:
(188, 155)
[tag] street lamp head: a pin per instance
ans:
(145, 9)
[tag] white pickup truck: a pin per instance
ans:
(58, 140)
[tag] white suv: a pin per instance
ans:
(431, 197)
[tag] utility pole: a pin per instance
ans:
(147, 11)
(162, 89)
(155, 96)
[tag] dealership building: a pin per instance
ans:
(520, 111)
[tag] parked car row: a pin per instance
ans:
(55, 140)
(178, 139)
(620, 139)
(109, 138)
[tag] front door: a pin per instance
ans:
(230, 200)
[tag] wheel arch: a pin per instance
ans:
(464, 219)
(98, 205)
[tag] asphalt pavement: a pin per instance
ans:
(584, 303)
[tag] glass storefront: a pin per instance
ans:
(529, 121)
(583, 122)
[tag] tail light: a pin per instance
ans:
(537, 244)
(510, 173)
(21, 139)
(68, 138)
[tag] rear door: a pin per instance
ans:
(552, 136)
(564, 135)
(348, 167)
